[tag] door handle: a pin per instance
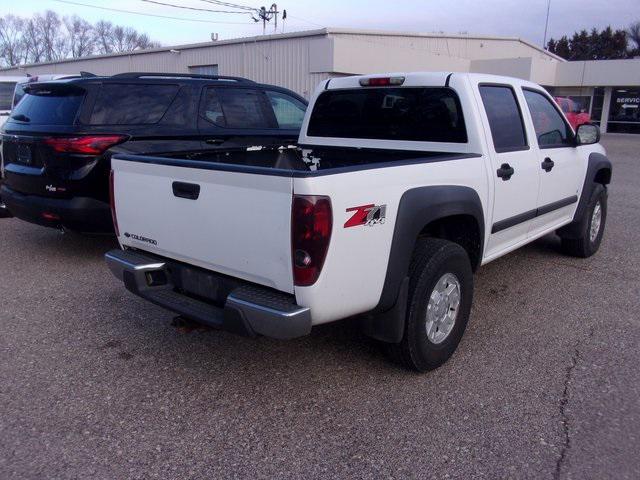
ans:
(214, 141)
(190, 191)
(547, 165)
(505, 172)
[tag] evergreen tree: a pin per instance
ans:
(595, 45)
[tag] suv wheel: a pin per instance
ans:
(439, 304)
(593, 224)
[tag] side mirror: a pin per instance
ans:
(587, 134)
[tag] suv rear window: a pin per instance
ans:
(132, 104)
(413, 114)
(6, 95)
(48, 107)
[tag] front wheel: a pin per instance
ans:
(593, 224)
(439, 304)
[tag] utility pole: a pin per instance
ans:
(274, 7)
(546, 25)
(266, 16)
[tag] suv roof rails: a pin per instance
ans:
(195, 76)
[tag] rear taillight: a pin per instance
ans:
(89, 145)
(311, 223)
(112, 202)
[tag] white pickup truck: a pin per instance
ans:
(400, 187)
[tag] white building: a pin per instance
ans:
(609, 90)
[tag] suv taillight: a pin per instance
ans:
(112, 202)
(311, 223)
(89, 145)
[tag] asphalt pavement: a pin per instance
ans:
(96, 383)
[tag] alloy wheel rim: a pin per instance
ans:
(442, 309)
(596, 222)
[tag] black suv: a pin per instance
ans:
(59, 139)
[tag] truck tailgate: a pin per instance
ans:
(235, 223)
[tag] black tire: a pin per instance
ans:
(584, 246)
(432, 259)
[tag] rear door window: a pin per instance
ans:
(289, 111)
(431, 114)
(235, 108)
(48, 107)
(132, 104)
(505, 119)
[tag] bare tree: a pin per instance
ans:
(80, 35)
(48, 26)
(12, 46)
(144, 42)
(103, 33)
(125, 39)
(34, 49)
(48, 37)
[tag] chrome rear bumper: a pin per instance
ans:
(248, 309)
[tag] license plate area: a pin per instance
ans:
(202, 284)
(24, 154)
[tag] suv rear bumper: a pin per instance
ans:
(82, 214)
(248, 309)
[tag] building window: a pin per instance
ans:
(624, 113)
(204, 69)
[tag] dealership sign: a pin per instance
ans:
(625, 106)
(628, 102)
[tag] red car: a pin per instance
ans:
(575, 113)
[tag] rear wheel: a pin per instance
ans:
(593, 224)
(439, 303)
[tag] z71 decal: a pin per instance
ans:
(368, 215)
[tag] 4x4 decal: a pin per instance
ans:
(368, 215)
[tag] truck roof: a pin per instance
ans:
(424, 79)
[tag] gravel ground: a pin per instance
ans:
(95, 383)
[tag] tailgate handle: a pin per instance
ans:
(190, 191)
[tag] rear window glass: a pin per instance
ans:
(132, 104)
(413, 114)
(48, 108)
(6, 95)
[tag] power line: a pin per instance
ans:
(231, 5)
(146, 14)
(194, 8)
(306, 21)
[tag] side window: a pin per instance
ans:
(211, 108)
(505, 120)
(289, 111)
(551, 129)
(234, 108)
(132, 104)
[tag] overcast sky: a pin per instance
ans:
(524, 19)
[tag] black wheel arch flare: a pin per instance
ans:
(599, 171)
(418, 207)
